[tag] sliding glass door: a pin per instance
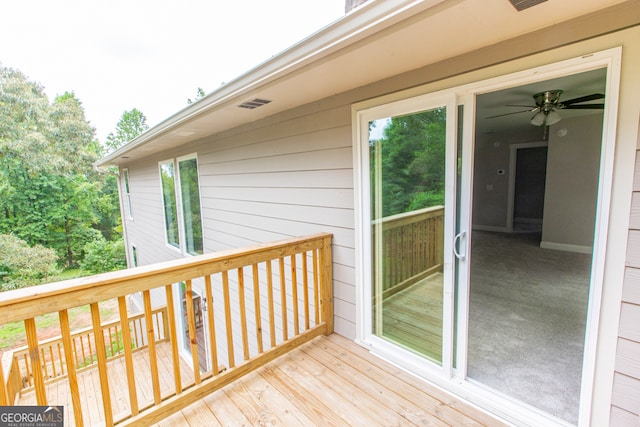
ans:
(409, 146)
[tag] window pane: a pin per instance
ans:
(407, 155)
(167, 175)
(190, 193)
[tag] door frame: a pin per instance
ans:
(511, 191)
(465, 89)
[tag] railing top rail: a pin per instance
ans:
(411, 214)
(34, 301)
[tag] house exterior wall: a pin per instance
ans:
(625, 408)
(291, 174)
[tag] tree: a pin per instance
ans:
(131, 124)
(48, 186)
(412, 165)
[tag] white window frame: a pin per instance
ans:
(126, 185)
(180, 204)
(176, 196)
(180, 217)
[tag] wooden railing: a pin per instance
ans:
(53, 360)
(411, 246)
(261, 302)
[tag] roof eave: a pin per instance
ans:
(355, 25)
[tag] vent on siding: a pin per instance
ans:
(254, 103)
(521, 5)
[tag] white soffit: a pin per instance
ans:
(379, 40)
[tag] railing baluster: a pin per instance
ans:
(128, 356)
(151, 343)
(272, 322)
(193, 340)
(71, 368)
(243, 314)
(90, 350)
(294, 295)
(227, 316)
(256, 305)
(102, 363)
(60, 359)
(173, 338)
(27, 367)
(283, 301)
(34, 353)
(212, 326)
(316, 286)
(43, 359)
(305, 289)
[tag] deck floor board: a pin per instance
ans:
(330, 381)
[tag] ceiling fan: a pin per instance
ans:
(548, 103)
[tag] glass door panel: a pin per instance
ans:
(407, 155)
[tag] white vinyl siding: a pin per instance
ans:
(626, 387)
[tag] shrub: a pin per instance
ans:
(102, 256)
(23, 265)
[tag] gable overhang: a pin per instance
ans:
(376, 41)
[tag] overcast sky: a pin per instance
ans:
(149, 54)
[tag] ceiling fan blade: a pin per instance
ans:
(585, 107)
(523, 106)
(586, 98)
(515, 112)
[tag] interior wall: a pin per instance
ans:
(572, 183)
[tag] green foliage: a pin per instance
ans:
(50, 194)
(409, 161)
(199, 95)
(102, 255)
(131, 124)
(22, 265)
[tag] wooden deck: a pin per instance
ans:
(330, 381)
(89, 383)
(412, 317)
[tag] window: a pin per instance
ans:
(190, 195)
(127, 193)
(167, 178)
(181, 197)
(134, 256)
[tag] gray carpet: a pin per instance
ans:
(527, 320)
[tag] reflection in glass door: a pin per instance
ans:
(407, 180)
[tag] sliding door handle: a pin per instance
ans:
(456, 240)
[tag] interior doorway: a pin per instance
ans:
(530, 180)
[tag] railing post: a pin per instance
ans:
(326, 285)
(34, 355)
(4, 400)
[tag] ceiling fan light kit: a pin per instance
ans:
(548, 103)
